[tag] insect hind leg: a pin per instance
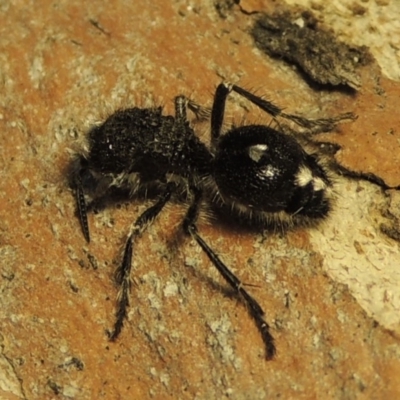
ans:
(123, 273)
(80, 170)
(85, 183)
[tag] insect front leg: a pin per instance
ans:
(218, 110)
(314, 125)
(122, 275)
(255, 310)
(182, 104)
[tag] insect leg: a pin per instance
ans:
(77, 176)
(254, 308)
(202, 113)
(182, 103)
(82, 209)
(316, 125)
(218, 111)
(84, 181)
(122, 275)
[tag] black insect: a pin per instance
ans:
(259, 174)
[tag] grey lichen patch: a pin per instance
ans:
(221, 340)
(298, 38)
(358, 255)
(10, 382)
(9, 256)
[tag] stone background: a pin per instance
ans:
(331, 295)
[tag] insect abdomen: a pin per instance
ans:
(127, 138)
